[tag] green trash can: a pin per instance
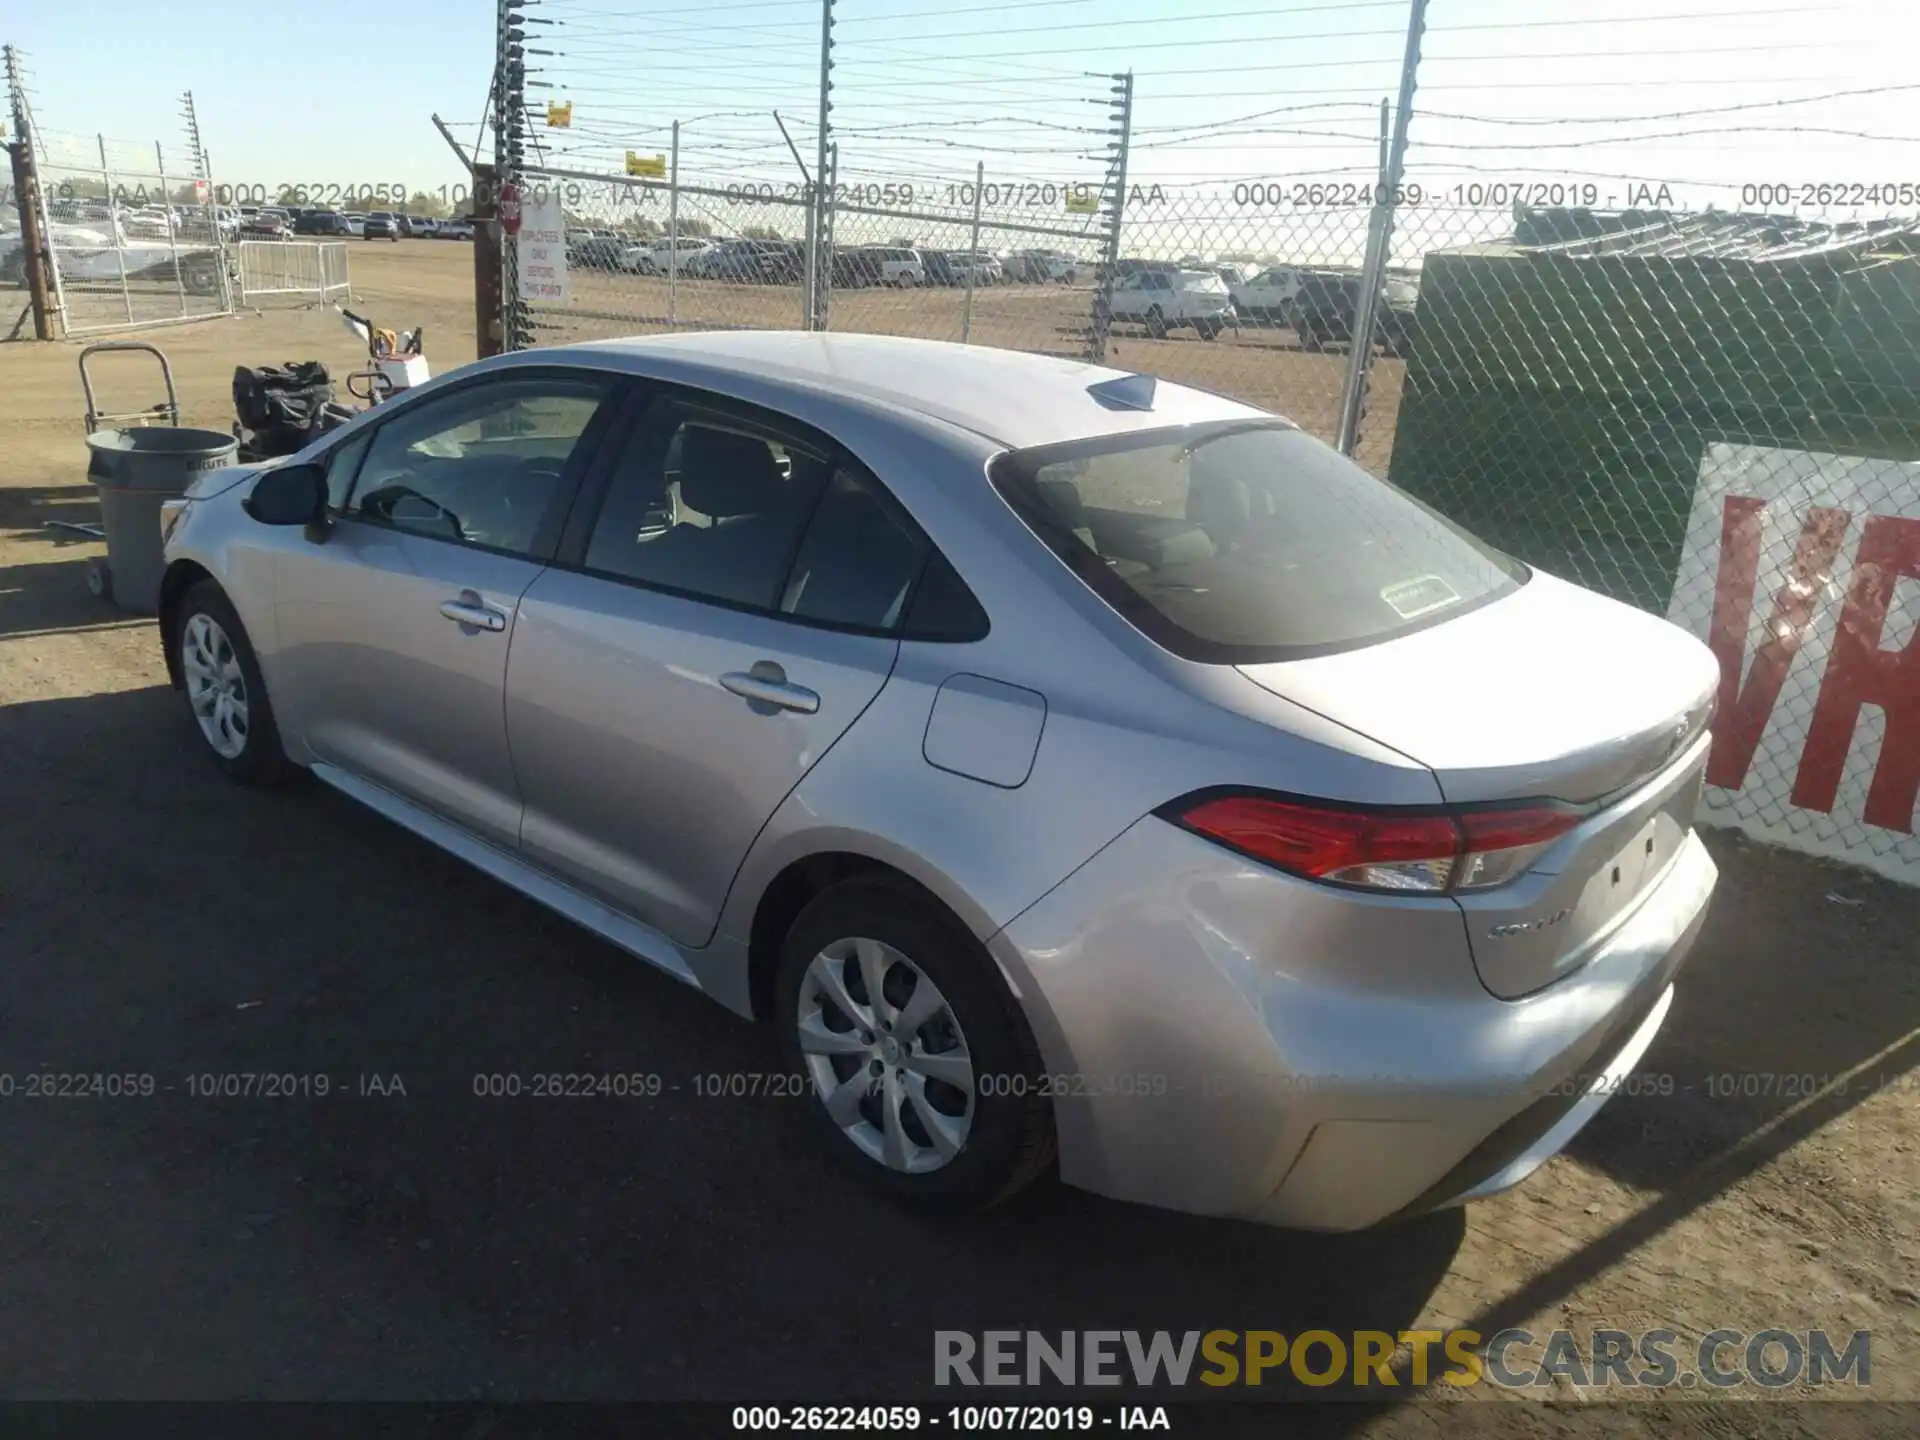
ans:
(137, 468)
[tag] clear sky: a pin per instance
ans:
(1613, 93)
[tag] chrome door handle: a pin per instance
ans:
(474, 613)
(770, 687)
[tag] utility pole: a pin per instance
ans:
(509, 142)
(822, 262)
(26, 195)
(1122, 119)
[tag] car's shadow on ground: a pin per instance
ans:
(408, 1233)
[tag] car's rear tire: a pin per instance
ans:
(934, 1096)
(1156, 323)
(226, 694)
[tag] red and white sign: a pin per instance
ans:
(508, 209)
(1802, 572)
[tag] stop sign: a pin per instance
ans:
(509, 209)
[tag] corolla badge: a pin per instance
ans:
(1524, 927)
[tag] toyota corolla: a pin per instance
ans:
(1075, 770)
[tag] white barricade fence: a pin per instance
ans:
(313, 270)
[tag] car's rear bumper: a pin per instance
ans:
(1225, 1039)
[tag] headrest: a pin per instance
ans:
(723, 474)
(1063, 498)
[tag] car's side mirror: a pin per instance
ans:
(289, 495)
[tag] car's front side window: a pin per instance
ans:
(481, 465)
(343, 464)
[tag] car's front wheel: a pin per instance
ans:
(224, 688)
(1156, 324)
(923, 1076)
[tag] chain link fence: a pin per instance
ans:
(1713, 417)
(1695, 396)
(134, 233)
(1018, 269)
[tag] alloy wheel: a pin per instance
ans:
(886, 1055)
(216, 685)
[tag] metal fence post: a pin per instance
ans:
(1122, 117)
(973, 249)
(119, 231)
(673, 232)
(1366, 309)
(823, 289)
(173, 244)
(810, 258)
(203, 172)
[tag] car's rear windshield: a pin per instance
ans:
(1238, 543)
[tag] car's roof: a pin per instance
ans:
(1010, 397)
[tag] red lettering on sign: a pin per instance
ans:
(1861, 673)
(1744, 709)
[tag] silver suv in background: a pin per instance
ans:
(1163, 300)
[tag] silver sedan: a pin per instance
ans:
(1074, 770)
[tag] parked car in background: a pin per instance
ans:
(664, 250)
(423, 227)
(781, 262)
(1131, 266)
(972, 717)
(1264, 299)
(356, 222)
(1162, 300)
(1068, 270)
(748, 262)
(323, 222)
(976, 266)
(455, 227)
(635, 260)
(854, 268)
(381, 225)
(938, 267)
(595, 249)
(1024, 267)
(1322, 313)
(266, 224)
(898, 266)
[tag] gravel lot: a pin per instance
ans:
(154, 920)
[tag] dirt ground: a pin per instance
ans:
(153, 919)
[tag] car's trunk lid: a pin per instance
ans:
(1551, 692)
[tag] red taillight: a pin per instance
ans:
(1381, 849)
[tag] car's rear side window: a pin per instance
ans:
(1240, 543)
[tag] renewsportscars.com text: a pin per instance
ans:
(1367, 1359)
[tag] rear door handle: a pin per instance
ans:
(469, 609)
(767, 683)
